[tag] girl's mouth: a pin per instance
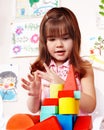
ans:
(60, 52)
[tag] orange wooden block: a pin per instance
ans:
(66, 93)
(50, 123)
(19, 122)
(70, 83)
(83, 123)
(50, 101)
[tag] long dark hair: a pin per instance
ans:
(58, 21)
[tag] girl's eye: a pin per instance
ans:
(66, 38)
(51, 39)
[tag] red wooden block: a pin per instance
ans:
(83, 123)
(50, 123)
(66, 93)
(35, 118)
(50, 101)
(70, 83)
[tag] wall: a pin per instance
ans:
(86, 14)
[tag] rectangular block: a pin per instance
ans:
(50, 123)
(54, 88)
(50, 109)
(44, 116)
(68, 105)
(47, 111)
(77, 94)
(83, 123)
(66, 121)
(66, 93)
(50, 101)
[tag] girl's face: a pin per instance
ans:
(60, 48)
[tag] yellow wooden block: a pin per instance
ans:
(68, 105)
(54, 88)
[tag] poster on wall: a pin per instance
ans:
(96, 51)
(25, 38)
(31, 8)
(100, 14)
(8, 82)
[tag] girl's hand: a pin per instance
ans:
(50, 75)
(33, 84)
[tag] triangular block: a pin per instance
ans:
(70, 83)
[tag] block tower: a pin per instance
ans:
(60, 111)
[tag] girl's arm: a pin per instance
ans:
(88, 95)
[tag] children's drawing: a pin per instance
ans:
(25, 37)
(31, 8)
(100, 14)
(8, 82)
(96, 51)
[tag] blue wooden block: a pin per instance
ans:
(47, 111)
(77, 94)
(50, 109)
(66, 121)
(44, 116)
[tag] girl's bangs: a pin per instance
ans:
(56, 28)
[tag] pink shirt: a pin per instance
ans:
(62, 72)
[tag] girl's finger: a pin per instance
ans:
(46, 67)
(30, 77)
(25, 87)
(25, 81)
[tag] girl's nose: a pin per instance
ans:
(59, 43)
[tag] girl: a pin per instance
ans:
(59, 46)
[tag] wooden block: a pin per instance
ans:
(19, 122)
(44, 116)
(77, 94)
(83, 123)
(54, 88)
(66, 121)
(35, 118)
(70, 83)
(50, 109)
(66, 93)
(68, 105)
(50, 101)
(47, 111)
(50, 123)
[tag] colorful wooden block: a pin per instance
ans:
(54, 88)
(35, 118)
(68, 105)
(44, 116)
(47, 111)
(66, 93)
(83, 123)
(50, 123)
(19, 122)
(77, 94)
(50, 101)
(70, 83)
(66, 121)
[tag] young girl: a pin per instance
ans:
(59, 46)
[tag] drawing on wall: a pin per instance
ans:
(8, 82)
(25, 38)
(96, 50)
(31, 8)
(100, 14)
